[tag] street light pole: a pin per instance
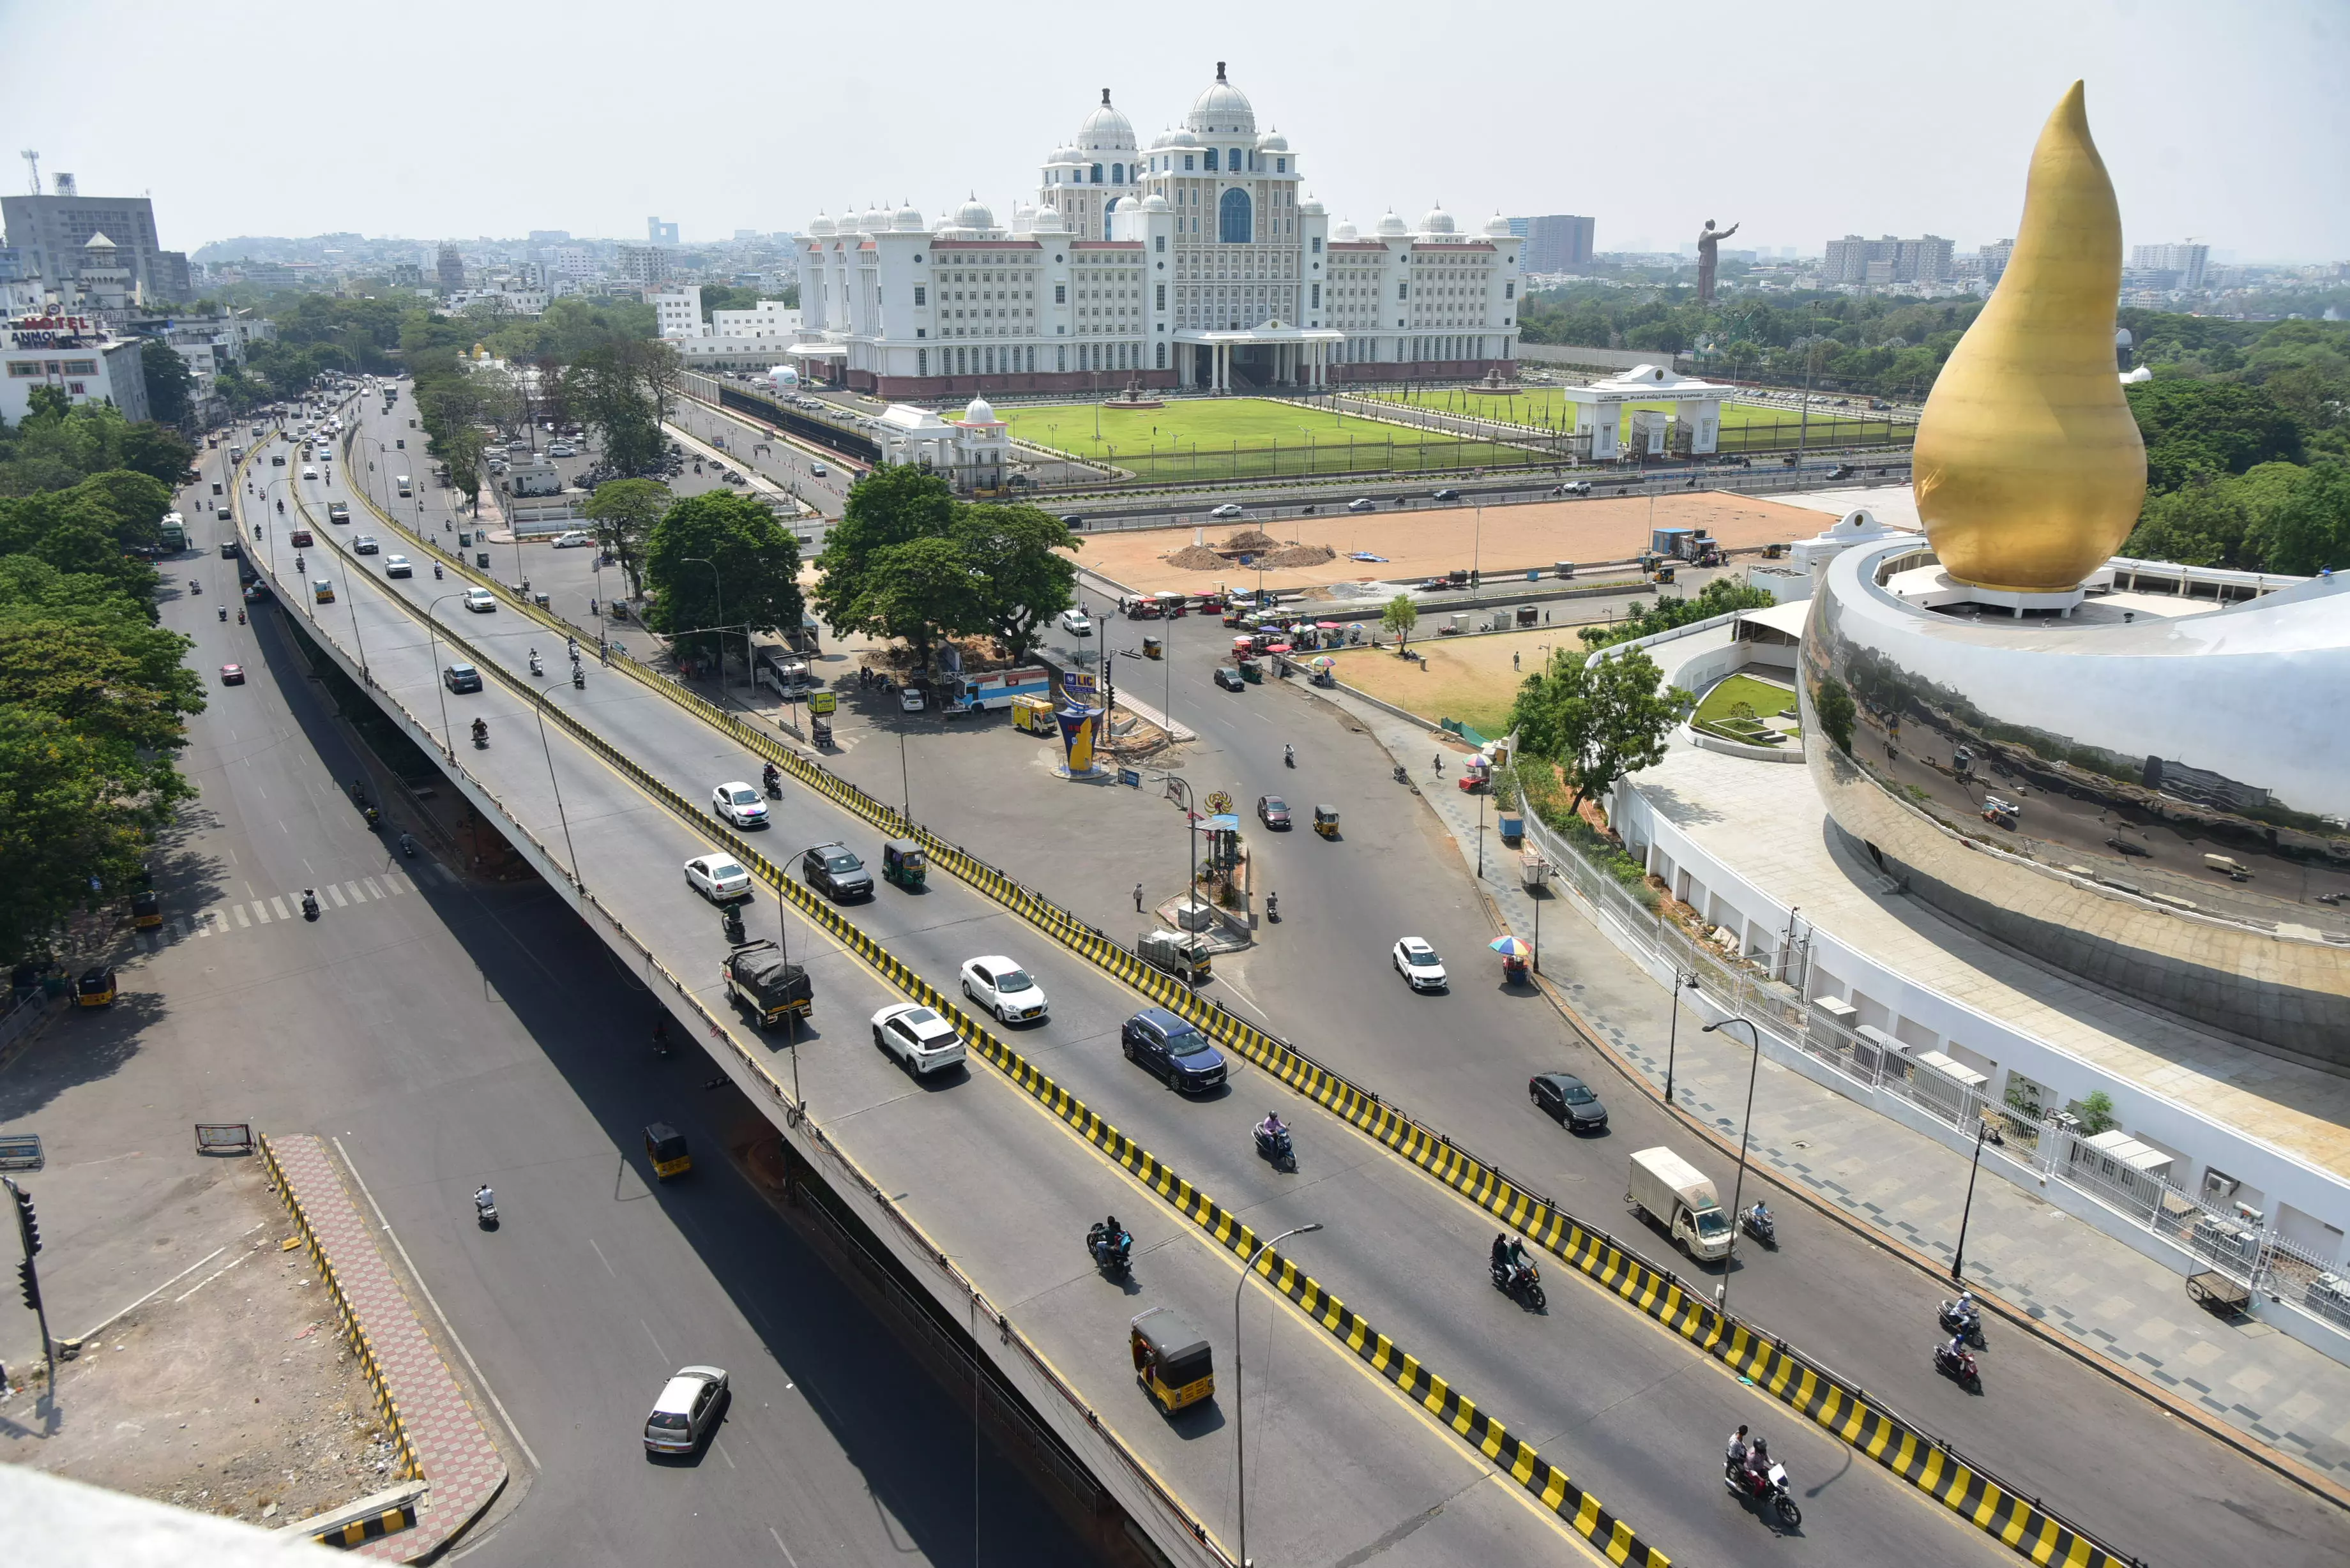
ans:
(1745, 1129)
(1959, 1256)
(718, 593)
(1239, 1396)
(1672, 1031)
(441, 686)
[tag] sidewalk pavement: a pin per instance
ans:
(2104, 1296)
(453, 1450)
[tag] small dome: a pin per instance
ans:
(819, 227)
(1183, 138)
(1154, 202)
(1437, 221)
(874, 222)
(1105, 129)
(974, 214)
(979, 414)
(1497, 227)
(1272, 142)
(907, 218)
(1163, 139)
(1049, 221)
(1067, 155)
(1346, 232)
(1222, 108)
(1391, 225)
(1311, 207)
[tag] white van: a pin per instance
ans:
(407, 485)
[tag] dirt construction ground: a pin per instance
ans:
(1422, 543)
(1472, 679)
(232, 1392)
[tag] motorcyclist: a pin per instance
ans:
(484, 1197)
(1271, 1130)
(481, 729)
(1289, 755)
(1759, 1216)
(535, 668)
(1758, 1464)
(1957, 1349)
(223, 612)
(1733, 1454)
(436, 571)
(768, 776)
(408, 845)
(1271, 905)
(309, 900)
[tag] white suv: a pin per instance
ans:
(922, 1041)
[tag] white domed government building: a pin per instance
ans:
(1198, 261)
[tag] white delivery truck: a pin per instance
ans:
(1674, 1193)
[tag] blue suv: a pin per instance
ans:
(1157, 1041)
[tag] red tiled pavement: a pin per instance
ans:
(453, 1452)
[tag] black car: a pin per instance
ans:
(1448, 493)
(1272, 811)
(1164, 1045)
(461, 677)
(835, 873)
(1230, 678)
(1568, 1100)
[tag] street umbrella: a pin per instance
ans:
(1326, 625)
(1278, 648)
(1512, 947)
(1324, 662)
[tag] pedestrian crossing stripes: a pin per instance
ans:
(265, 911)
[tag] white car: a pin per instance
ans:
(563, 449)
(309, 474)
(365, 544)
(1074, 623)
(686, 1410)
(1418, 965)
(921, 1041)
(909, 699)
(1003, 988)
(480, 599)
(398, 567)
(717, 877)
(573, 540)
(739, 804)
(1229, 509)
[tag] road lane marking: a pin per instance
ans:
(357, 896)
(242, 922)
(261, 911)
(782, 1548)
(657, 1344)
(278, 904)
(337, 895)
(399, 882)
(375, 888)
(603, 1259)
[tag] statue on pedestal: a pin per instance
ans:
(1709, 247)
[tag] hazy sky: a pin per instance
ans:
(1802, 121)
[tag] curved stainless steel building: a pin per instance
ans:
(2158, 806)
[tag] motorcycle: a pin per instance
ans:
(436, 571)
(774, 785)
(1747, 1487)
(309, 905)
(486, 1209)
(481, 733)
(1113, 1254)
(1272, 906)
(1277, 1147)
(578, 679)
(535, 667)
(1967, 1324)
(1762, 1227)
(374, 818)
(1522, 1283)
(1959, 1367)
(407, 846)
(1288, 757)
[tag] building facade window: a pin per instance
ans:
(1162, 296)
(1211, 156)
(1158, 242)
(921, 361)
(1060, 294)
(1281, 165)
(1233, 217)
(1162, 356)
(1097, 173)
(921, 294)
(1317, 296)
(1118, 173)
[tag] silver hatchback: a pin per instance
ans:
(686, 1410)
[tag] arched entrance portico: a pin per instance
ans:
(1275, 354)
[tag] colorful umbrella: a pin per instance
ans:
(1324, 662)
(1512, 947)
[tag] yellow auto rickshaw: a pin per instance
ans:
(665, 1147)
(1325, 821)
(323, 591)
(1152, 648)
(1172, 1360)
(145, 909)
(95, 988)
(904, 863)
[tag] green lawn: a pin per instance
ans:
(1744, 425)
(1244, 438)
(1761, 697)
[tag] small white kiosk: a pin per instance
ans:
(1691, 427)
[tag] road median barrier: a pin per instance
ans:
(1837, 1407)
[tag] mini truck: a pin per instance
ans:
(1674, 1193)
(757, 975)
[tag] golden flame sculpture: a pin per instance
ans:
(2029, 465)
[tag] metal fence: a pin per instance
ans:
(1773, 995)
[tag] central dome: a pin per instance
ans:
(1222, 108)
(974, 214)
(1105, 129)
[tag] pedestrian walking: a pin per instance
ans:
(1440, 765)
(1514, 661)
(1137, 898)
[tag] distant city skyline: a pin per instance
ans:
(2256, 176)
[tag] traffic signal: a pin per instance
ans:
(26, 1224)
(32, 1283)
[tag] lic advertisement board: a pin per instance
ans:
(1078, 720)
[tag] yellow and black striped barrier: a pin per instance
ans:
(1932, 1467)
(383, 1521)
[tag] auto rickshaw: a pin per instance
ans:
(323, 591)
(904, 863)
(1172, 1360)
(1253, 672)
(665, 1148)
(1325, 821)
(1152, 648)
(95, 988)
(145, 909)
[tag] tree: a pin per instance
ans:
(625, 511)
(923, 589)
(2309, 530)
(2208, 427)
(619, 387)
(64, 799)
(756, 578)
(2200, 524)
(1015, 555)
(1832, 703)
(170, 388)
(890, 506)
(1400, 616)
(1598, 719)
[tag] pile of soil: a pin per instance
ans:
(1251, 540)
(1300, 555)
(1196, 558)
